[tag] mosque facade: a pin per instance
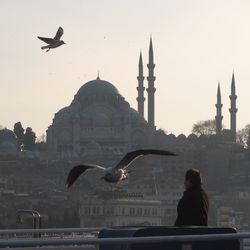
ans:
(100, 120)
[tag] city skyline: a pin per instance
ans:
(194, 65)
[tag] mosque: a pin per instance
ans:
(100, 121)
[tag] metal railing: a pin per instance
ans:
(98, 241)
(50, 230)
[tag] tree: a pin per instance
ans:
(207, 127)
(19, 132)
(243, 136)
(29, 139)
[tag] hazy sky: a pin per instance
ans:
(196, 44)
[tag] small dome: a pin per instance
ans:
(97, 87)
(7, 135)
(75, 105)
(64, 113)
(133, 111)
(181, 136)
(161, 132)
(8, 147)
(136, 117)
(192, 137)
(171, 136)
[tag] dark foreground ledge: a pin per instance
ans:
(133, 232)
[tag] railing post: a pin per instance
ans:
(39, 225)
(34, 225)
(241, 244)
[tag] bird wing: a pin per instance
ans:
(131, 156)
(78, 170)
(46, 40)
(59, 33)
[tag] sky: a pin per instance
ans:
(196, 44)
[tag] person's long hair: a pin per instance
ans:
(194, 176)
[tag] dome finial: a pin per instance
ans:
(98, 77)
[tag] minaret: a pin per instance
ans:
(233, 110)
(218, 117)
(151, 88)
(140, 99)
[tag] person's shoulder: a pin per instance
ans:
(201, 194)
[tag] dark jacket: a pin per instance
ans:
(192, 208)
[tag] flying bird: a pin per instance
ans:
(53, 42)
(117, 173)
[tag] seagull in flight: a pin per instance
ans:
(117, 173)
(53, 42)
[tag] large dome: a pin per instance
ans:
(97, 87)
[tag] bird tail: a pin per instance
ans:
(44, 47)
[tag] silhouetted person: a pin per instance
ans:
(192, 208)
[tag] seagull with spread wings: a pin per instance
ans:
(53, 42)
(116, 173)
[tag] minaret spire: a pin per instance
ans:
(218, 117)
(151, 52)
(98, 75)
(233, 110)
(140, 99)
(151, 89)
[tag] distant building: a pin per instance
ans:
(228, 217)
(123, 211)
